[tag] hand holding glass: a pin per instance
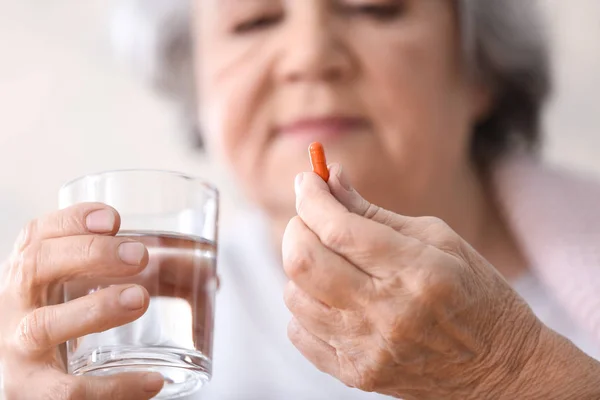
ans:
(175, 217)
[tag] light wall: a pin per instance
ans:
(67, 108)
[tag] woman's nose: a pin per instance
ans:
(313, 50)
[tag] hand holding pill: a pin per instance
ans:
(394, 304)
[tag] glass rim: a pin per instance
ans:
(175, 174)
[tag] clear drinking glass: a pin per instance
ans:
(175, 216)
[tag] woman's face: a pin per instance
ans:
(379, 82)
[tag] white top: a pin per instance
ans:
(253, 358)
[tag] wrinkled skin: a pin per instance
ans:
(383, 302)
(395, 66)
(397, 305)
(50, 251)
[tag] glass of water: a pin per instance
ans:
(175, 216)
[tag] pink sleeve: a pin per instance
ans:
(555, 216)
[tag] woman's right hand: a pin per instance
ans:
(77, 242)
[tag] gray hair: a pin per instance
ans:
(504, 43)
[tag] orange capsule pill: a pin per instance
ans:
(317, 160)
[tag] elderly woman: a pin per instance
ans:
(462, 270)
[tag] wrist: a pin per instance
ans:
(515, 346)
(555, 368)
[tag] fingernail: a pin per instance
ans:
(132, 253)
(100, 221)
(343, 179)
(132, 298)
(298, 182)
(153, 382)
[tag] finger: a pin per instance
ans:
(319, 271)
(47, 327)
(55, 385)
(314, 200)
(341, 189)
(322, 321)
(85, 256)
(319, 353)
(429, 230)
(367, 245)
(79, 219)
(348, 234)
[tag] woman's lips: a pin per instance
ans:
(322, 127)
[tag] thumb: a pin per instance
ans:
(429, 230)
(343, 191)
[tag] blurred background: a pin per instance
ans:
(69, 107)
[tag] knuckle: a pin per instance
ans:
(446, 232)
(366, 382)
(441, 282)
(90, 246)
(444, 235)
(297, 257)
(94, 310)
(298, 260)
(422, 285)
(337, 233)
(70, 220)
(97, 314)
(388, 218)
(26, 269)
(434, 224)
(361, 376)
(372, 374)
(33, 330)
(430, 286)
(358, 369)
(371, 211)
(27, 235)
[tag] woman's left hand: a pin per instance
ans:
(397, 305)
